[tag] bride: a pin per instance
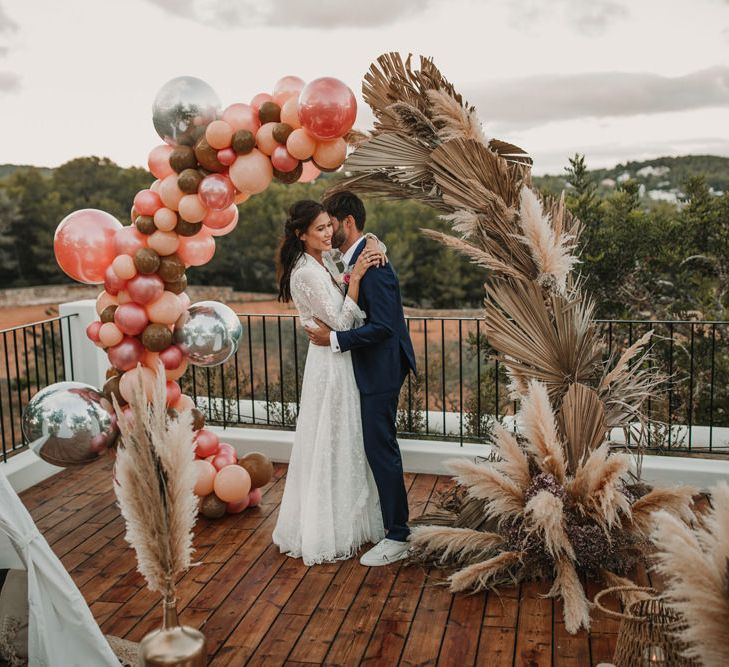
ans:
(330, 505)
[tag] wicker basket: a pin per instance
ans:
(647, 634)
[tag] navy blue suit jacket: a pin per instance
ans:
(381, 349)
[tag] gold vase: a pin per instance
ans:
(173, 644)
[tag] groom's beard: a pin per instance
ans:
(339, 237)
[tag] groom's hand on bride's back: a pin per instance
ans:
(319, 335)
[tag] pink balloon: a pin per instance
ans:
(173, 392)
(196, 250)
(225, 230)
(226, 156)
(159, 161)
(327, 108)
(131, 318)
(282, 160)
(286, 87)
(205, 477)
(206, 443)
(145, 289)
(171, 357)
(251, 173)
(242, 117)
(176, 374)
(237, 508)
(260, 99)
(264, 139)
(216, 192)
(127, 354)
(222, 218)
(232, 484)
(113, 283)
(92, 331)
(84, 244)
(309, 173)
(128, 240)
(147, 202)
(227, 448)
(165, 310)
(223, 459)
(184, 300)
(254, 498)
(331, 154)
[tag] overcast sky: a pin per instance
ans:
(614, 79)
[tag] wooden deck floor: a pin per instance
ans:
(258, 607)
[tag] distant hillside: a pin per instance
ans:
(662, 178)
(8, 169)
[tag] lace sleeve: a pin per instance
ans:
(313, 297)
(383, 247)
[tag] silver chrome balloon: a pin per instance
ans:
(69, 423)
(209, 334)
(183, 108)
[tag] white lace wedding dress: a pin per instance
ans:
(330, 505)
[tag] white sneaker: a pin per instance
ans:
(385, 553)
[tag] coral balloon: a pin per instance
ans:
(173, 392)
(251, 173)
(255, 497)
(113, 283)
(290, 112)
(216, 192)
(110, 335)
(192, 207)
(221, 219)
(145, 289)
(128, 240)
(128, 381)
(159, 161)
(232, 484)
(147, 202)
(165, 219)
(126, 354)
(309, 173)
(205, 476)
(331, 154)
(123, 266)
(327, 108)
(92, 331)
(241, 197)
(264, 139)
(301, 144)
(226, 156)
(197, 250)
(242, 117)
(165, 310)
(259, 99)
(287, 87)
(131, 318)
(84, 244)
(164, 243)
(170, 193)
(206, 443)
(219, 134)
(282, 160)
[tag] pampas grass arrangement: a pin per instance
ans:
(155, 477)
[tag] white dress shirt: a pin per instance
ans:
(346, 259)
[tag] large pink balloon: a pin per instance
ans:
(159, 161)
(221, 219)
(196, 250)
(327, 108)
(131, 318)
(251, 173)
(84, 244)
(232, 484)
(216, 192)
(145, 289)
(127, 354)
(286, 87)
(128, 240)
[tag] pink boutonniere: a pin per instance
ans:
(346, 277)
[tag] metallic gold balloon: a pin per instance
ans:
(182, 106)
(209, 334)
(69, 423)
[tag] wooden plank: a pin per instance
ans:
(602, 648)
(569, 650)
(277, 644)
(502, 608)
(386, 643)
(534, 631)
(496, 646)
(463, 629)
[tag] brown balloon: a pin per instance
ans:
(111, 388)
(189, 181)
(198, 419)
(171, 268)
(243, 142)
(324, 169)
(178, 286)
(107, 315)
(156, 337)
(111, 372)
(181, 158)
(145, 224)
(207, 156)
(146, 260)
(281, 132)
(269, 112)
(212, 507)
(259, 467)
(185, 228)
(289, 177)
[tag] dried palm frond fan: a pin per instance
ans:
(555, 503)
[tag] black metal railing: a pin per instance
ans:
(31, 357)
(460, 392)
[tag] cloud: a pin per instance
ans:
(7, 24)
(9, 82)
(537, 100)
(292, 13)
(591, 18)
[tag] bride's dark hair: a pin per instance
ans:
(301, 214)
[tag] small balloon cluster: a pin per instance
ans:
(224, 482)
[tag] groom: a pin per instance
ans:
(382, 356)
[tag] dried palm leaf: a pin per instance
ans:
(545, 514)
(453, 546)
(677, 500)
(485, 575)
(576, 606)
(540, 429)
(582, 422)
(454, 120)
(621, 368)
(356, 138)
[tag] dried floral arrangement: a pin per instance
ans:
(154, 481)
(555, 501)
(695, 566)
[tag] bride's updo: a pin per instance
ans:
(301, 214)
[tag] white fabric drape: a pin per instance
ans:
(61, 628)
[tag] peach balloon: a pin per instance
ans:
(170, 193)
(104, 300)
(150, 359)
(331, 154)
(159, 161)
(309, 173)
(287, 87)
(176, 374)
(260, 99)
(290, 112)
(92, 331)
(232, 484)
(205, 476)
(165, 219)
(242, 117)
(110, 334)
(265, 140)
(192, 209)
(128, 240)
(165, 310)
(301, 144)
(196, 250)
(184, 300)
(251, 173)
(123, 266)
(164, 243)
(123, 297)
(154, 188)
(185, 402)
(219, 134)
(241, 197)
(128, 382)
